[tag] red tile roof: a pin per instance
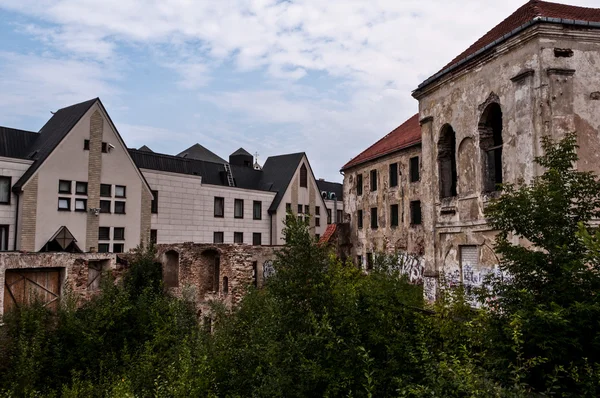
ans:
(403, 136)
(527, 13)
(328, 234)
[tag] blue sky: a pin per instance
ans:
(325, 77)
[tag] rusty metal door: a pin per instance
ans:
(25, 286)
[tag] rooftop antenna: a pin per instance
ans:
(256, 157)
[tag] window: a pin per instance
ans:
(64, 204)
(340, 216)
(153, 236)
(447, 162)
(317, 211)
(118, 247)
(119, 207)
(415, 174)
(104, 233)
(218, 237)
(3, 238)
(154, 205)
(303, 176)
(103, 248)
(104, 147)
(359, 184)
(328, 216)
(105, 206)
(369, 261)
(106, 190)
(306, 209)
(317, 222)
(359, 219)
(238, 237)
(225, 285)
(120, 191)
(5, 183)
(374, 223)
(219, 207)
(394, 215)
(373, 180)
(119, 233)
(491, 142)
(288, 207)
(238, 208)
(81, 188)
(80, 204)
(257, 210)
(393, 175)
(257, 239)
(300, 209)
(86, 145)
(415, 212)
(64, 186)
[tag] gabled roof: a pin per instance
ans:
(198, 152)
(532, 12)
(277, 175)
(16, 143)
(404, 136)
(241, 151)
(334, 187)
(144, 148)
(53, 132)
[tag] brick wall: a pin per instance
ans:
(94, 176)
(29, 215)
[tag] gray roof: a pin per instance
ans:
(145, 149)
(277, 175)
(53, 132)
(241, 151)
(198, 152)
(334, 187)
(16, 143)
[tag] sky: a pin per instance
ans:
(325, 77)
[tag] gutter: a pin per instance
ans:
(504, 38)
(16, 224)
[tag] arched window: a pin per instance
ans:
(447, 162)
(225, 285)
(171, 268)
(303, 176)
(490, 142)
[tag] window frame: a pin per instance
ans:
(317, 221)
(394, 218)
(237, 235)
(303, 176)
(154, 203)
(4, 242)
(119, 202)
(79, 184)
(393, 175)
(240, 203)
(121, 247)
(373, 180)
(68, 204)
(9, 193)
(60, 190)
(102, 236)
(359, 219)
(102, 245)
(109, 207)
(329, 217)
(359, 184)
(414, 169)
(79, 200)
(318, 211)
(222, 201)
(254, 207)
(124, 191)
(307, 209)
(122, 236)
(413, 206)
(154, 236)
(86, 144)
(110, 193)
(254, 236)
(218, 233)
(374, 218)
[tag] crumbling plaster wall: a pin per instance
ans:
(403, 238)
(197, 265)
(75, 272)
(539, 94)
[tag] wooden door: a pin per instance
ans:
(25, 286)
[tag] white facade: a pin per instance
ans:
(13, 168)
(186, 210)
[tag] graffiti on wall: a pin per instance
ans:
(268, 269)
(412, 266)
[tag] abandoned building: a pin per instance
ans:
(382, 193)
(481, 121)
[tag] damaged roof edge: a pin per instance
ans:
(380, 155)
(502, 39)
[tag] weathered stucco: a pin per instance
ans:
(540, 92)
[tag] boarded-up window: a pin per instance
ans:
(303, 176)
(171, 269)
(469, 255)
(95, 270)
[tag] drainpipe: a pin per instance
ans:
(271, 229)
(16, 223)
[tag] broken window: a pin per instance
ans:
(490, 142)
(394, 215)
(359, 184)
(303, 176)
(447, 162)
(374, 224)
(393, 175)
(414, 169)
(415, 212)
(373, 180)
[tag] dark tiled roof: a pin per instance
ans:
(277, 175)
(241, 151)
(52, 134)
(198, 152)
(334, 187)
(403, 136)
(16, 143)
(529, 13)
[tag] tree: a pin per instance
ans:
(550, 296)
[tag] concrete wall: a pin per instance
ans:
(13, 168)
(69, 161)
(186, 210)
(295, 194)
(405, 237)
(539, 94)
